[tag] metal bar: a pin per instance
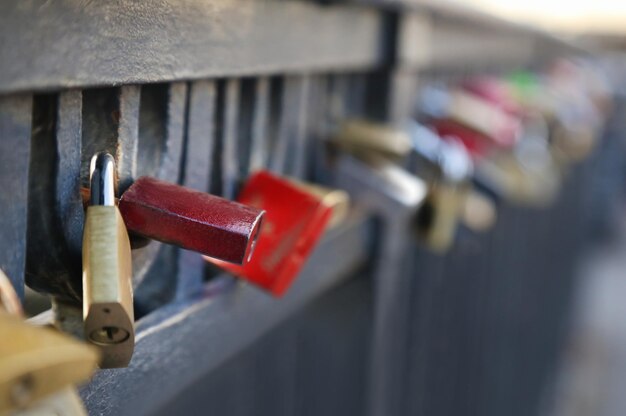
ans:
(230, 139)
(259, 146)
(227, 38)
(128, 135)
(15, 127)
(200, 142)
(221, 322)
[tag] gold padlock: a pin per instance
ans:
(447, 168)
(357, 136)
(38, 365)
(107, 286)
(479, 211)
(336, 199)
(66, 402)
(534, 184)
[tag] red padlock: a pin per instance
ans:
(294, 222)
(476, 143)
(193, 220)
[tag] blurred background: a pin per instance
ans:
(464, 252)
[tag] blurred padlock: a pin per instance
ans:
(378, 184)
(295, 220)
(9, 301)
(480, 112)
(570, 113)
(483, 117)
(356, 136)
(38, 366)
(527, 176)
(197, 221)
(336, 199)
(447, 168)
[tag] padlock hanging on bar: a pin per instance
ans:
(295, 220)
(197, 221)
(448, 169)
(107, 285)
(38, 366)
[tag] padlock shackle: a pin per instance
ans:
(102, 179)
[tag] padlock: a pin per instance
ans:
(378, 184)
(485, 106)
(528, 176)
(9, 301)
(197, 221)
(479, 212)
(559, 97)
(38, 366)
(447, 168)
(107, 287)
(37, 362)
(295, 220)
(356, 136)
(66, 402)
(336, 199)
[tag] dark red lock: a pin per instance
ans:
(295, 220)
(476, 143)
(193, 220)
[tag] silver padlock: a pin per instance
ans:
(448, 169)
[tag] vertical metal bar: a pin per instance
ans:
(55, 213)
(197, 172)
(155, 264)
(15, 128)
(289, 145)
(69, 148)
(230, 159)
(174, 131)
(128, 135)
(259, 147)
(320, 127)
(300, 133)
(200, 135)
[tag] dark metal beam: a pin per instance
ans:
(70, 43)
(180, 342)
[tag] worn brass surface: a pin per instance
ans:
(107, 288)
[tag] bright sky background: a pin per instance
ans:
(598, 16)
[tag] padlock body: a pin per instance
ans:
(197, 221)
(107, 285)
(439, 217)
(42, 358)
(294, 222)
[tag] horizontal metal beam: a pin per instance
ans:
(68, 43)
(180, 342)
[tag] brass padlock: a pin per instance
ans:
(527, 176)
(337, 199)
(358, 136)
(447, 168)
(38, 366)
(107, 287)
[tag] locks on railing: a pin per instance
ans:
(296, 216)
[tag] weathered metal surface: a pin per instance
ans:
(143, 127)
(15, 125)
(224, 319)
(196, 173)
(162, 41)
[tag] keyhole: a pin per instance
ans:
(108, 335)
